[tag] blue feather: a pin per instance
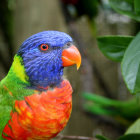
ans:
(44, 68)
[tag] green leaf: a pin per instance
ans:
(124, 137)
(133, 132)
(99, 99)
(130, 137)
(137, 6)
(131, 65)
(101, 137)
(134, 128)
(126, 7)
(113, 47)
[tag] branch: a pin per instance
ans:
(60, 137)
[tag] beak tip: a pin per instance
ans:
(77, 68)
(78, 65)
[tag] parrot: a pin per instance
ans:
(35, 97)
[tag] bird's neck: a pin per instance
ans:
(17, 69)
(18, 73)
(16, 81)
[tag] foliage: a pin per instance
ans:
(119, 48)
(113, 47)
(125, 137)
(134, 128)
(99, 137)
(130, 8)
(117, 109)
(133, 133)
(130, 137)
(126, 50)
(130, 65)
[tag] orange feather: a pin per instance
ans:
(40, 116)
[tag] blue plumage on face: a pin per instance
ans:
(41, 55)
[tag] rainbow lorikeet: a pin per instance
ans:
(35, 99)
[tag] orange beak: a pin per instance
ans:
(71, 56)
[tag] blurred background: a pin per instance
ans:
(84, 20)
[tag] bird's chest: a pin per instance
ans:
(41, 116)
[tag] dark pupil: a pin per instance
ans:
(44, 47)
(68, 43)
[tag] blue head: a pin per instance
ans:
(42, 57)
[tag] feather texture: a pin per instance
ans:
(41, 115)
(35, 100)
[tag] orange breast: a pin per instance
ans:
(40, 116)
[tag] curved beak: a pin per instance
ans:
(71, 56)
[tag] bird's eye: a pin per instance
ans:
(44, 47)
(68, 44)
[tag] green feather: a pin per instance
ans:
(13, 87)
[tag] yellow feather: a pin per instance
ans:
(18, 69)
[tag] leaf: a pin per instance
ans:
(99, 137)
(113, 47)
(99, 99)
(133, 132)
(126, 7)
(137, 6)
(131, 65)
(134, 128)
(124, 137)
(96, 104)
(130, 137)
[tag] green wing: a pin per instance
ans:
(4, 117)
(5, 108)
(13, 87)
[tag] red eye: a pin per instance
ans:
(44, 47)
